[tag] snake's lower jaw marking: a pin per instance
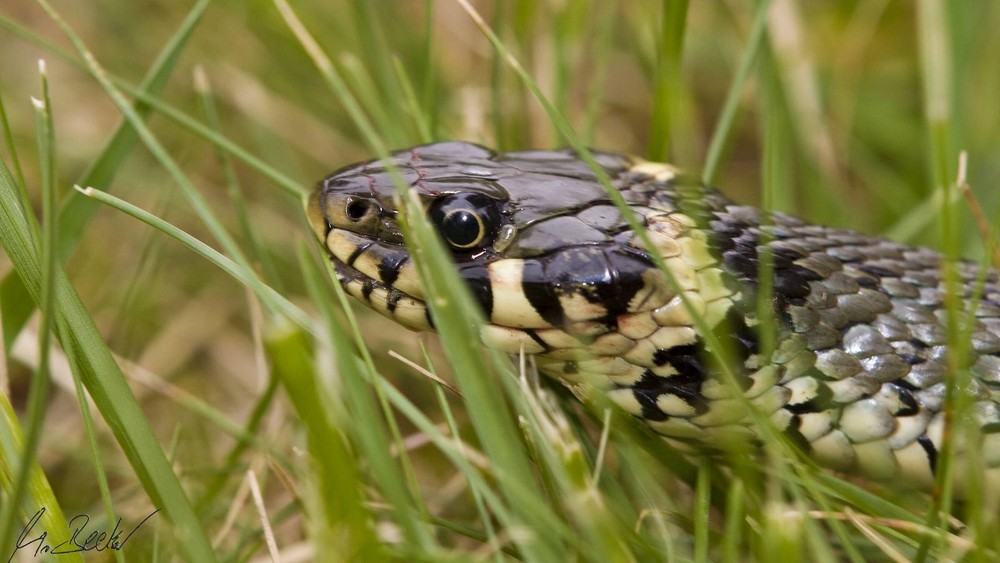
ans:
(858, 374)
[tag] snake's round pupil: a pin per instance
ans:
(462, 228)
(467, 220)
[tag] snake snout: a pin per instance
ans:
(356, 209)
(353, 212)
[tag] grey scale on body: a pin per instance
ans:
(857, 375)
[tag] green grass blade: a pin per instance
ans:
(278, 178)
(346, 532)
(429, 74)
(267, 295)
(8, 137)
(191, 193)
(453, 309)
(248, 232)
(92, 362)
(727, 117)
(95, 452)
(494, 430)
(20, 474)
(412, 104)
(40, 498)
(936, 74)
(76, 212)
(667, 82)
(41, 381)
(381, 433)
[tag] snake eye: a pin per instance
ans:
(466, 221)
(463, 228)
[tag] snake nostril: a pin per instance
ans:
(356, 209)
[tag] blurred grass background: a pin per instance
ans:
(835, 94)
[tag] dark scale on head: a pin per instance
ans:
(612, 280)
(540, 292)
(477, 277)
(608, 277)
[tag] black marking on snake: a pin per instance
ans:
(478, 279)
(783, 259)
(819, 403)
(794, 433)
(367, 288)
(868, 282)
(628, 265)
(792, 281)
(392, 300)
(609, 278)
(389, 267)
(928, 445)
(357, 252)
(538, 339)
(912, 359)
(686, 360)
(540, 292)
(651, 386)
(661, 356)
(910, 406)
(739, 244)
(734, 328)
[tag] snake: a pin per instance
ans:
(856, 371)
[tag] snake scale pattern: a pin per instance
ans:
(857, 374)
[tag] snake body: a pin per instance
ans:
(857, 371)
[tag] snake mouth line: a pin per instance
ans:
(401, 307)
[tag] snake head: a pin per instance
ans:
(533, 234)
(353, 212)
